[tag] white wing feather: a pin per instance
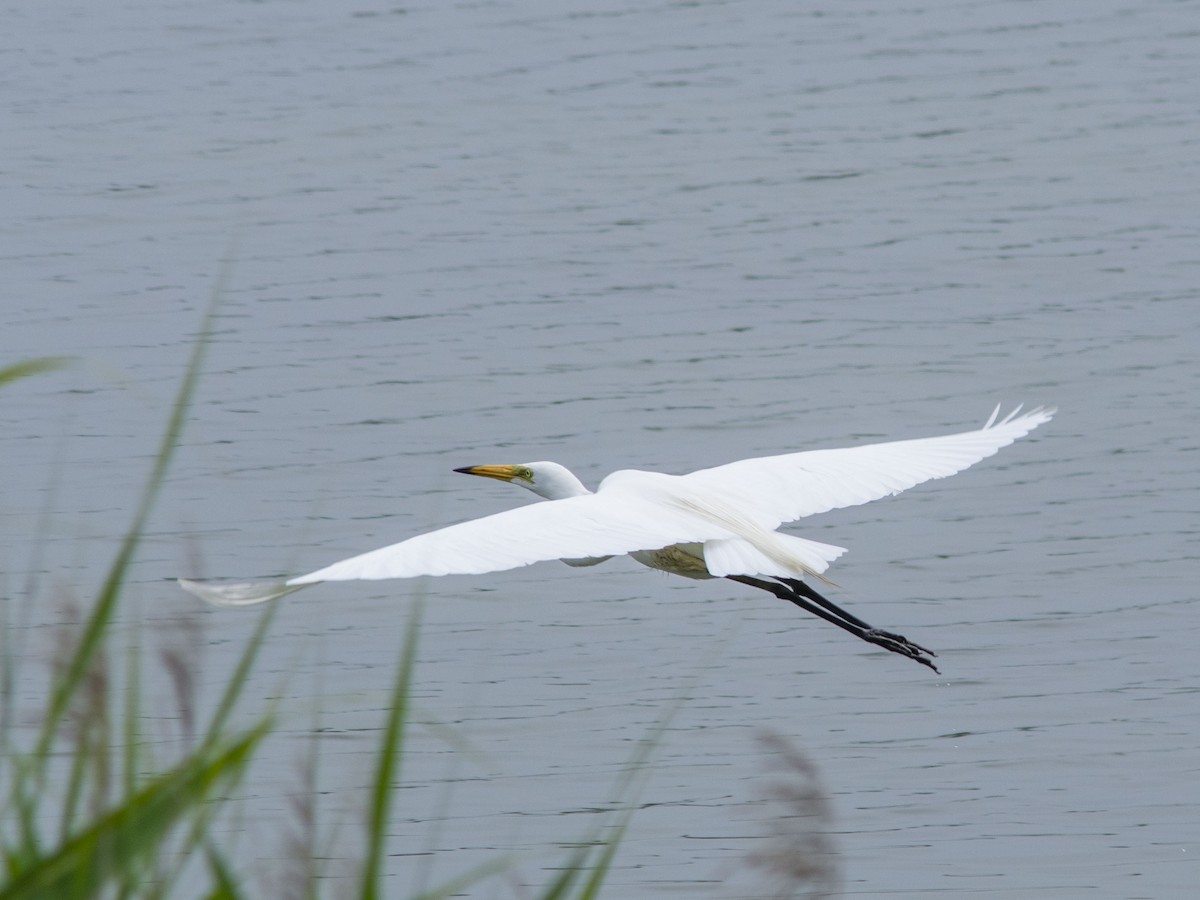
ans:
(602, 524)
(778, 489)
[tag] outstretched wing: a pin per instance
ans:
(593, 525)
(575, 528)
(777, 489)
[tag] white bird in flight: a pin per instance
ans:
(713, 523)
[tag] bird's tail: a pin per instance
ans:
(787, 556)
(238, 593)
(757, 550)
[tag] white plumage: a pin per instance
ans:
(717, 522)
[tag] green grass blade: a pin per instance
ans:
(28, 367)
(240, 676)
(599, 870)
(455, 886)
(116, 844)
(225, 884)
(202, 816)
(131, 758)
(26, 773)
(389, 759)
(595, 858)
(75, 786)
(105, 605)
(560, 887)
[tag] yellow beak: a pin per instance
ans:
(501, 473)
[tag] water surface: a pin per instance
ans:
(661, 236)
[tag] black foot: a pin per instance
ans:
(898, 643)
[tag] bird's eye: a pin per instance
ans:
(526, 473)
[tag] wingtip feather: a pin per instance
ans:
(1037, 416)
(238, 593)
(992, 418)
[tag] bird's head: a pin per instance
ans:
(546, 479)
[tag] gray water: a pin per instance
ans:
(660, 236)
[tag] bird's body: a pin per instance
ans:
(678, 559)
(718, 522)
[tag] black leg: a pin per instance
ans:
(805, 590)
(799, 593)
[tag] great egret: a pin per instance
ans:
(713, 523)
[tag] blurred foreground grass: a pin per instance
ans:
(85, 809)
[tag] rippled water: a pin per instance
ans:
(660, 236)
